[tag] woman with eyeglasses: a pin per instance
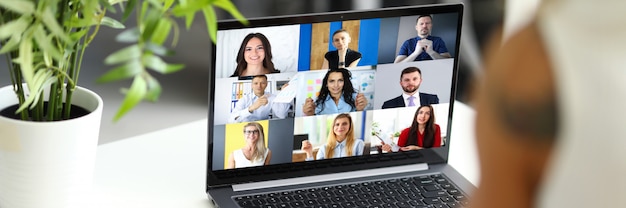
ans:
(254, 153)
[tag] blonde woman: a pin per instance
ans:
(254, 153)
(340, 142)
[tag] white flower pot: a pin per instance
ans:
(48, 164)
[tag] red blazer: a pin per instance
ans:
(404, 136)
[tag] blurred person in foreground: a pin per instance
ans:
(550, 130)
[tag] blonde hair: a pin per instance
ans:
(259, 147)
(331, 142)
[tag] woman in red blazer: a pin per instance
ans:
(423, 133)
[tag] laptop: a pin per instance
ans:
(270, 146)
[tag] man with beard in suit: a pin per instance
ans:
(410, 80)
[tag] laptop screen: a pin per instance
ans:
(305, 95)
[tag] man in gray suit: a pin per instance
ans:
(410, 80)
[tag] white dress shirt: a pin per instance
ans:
(241, 113)
(416, 101)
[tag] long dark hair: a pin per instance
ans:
(429, 130)
(267, 61)
(347, 91)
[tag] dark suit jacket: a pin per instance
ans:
(425, 99)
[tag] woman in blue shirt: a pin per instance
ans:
(337, 95)
(340, 142)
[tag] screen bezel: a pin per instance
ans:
(291, 170)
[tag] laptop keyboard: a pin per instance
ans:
(432, 191)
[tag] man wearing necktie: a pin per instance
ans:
(410, 80)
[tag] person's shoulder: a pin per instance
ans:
(410, 40)
(391, 103)
(274, 71)
(428, 94)
(435, 39)
(353, 51)
(395, 99)
(430, 37)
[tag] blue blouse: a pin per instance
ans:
(331, 108)
(341, 150)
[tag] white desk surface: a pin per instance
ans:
(167, 168)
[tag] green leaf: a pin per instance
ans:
(50, 21)
(76, 21)
(20, 7)
(156, 4)
(211, 22)
(41, 79)
(128, 36)
(112, 23)
(124, 55)
(154, 62)
(130, 6)
(107, 5)
(167, 4)
(128, 70)
(162, 31)
(15, 27)
(189, 20)
(11, 45)
(154, 90)
(134, 95)
(45, 43)
(171, 68)
(188, 10)
(190, 7)
(232, 9)
(157, 64)
(75, 36)
(158, 49)
(25, 60)
(150, 22)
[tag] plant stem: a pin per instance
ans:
(67, 105)
(52, 102)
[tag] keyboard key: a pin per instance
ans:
(432, 201)
(434, 194)
(454, 192)
(431, 188)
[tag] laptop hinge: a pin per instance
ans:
(330, 177)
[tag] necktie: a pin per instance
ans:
(411, 103)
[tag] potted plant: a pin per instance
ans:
(47, 152)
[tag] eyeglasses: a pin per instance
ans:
(251, 132)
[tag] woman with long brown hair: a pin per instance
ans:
(423, 133)
(254, 56)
